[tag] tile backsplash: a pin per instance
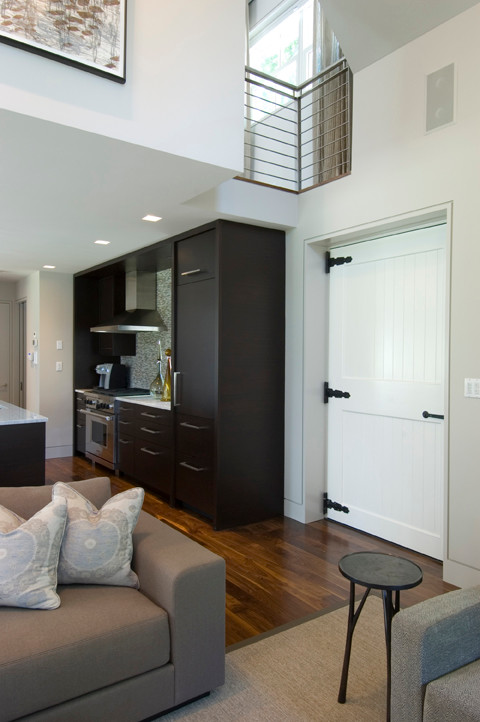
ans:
(143, 366)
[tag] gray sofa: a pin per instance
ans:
(436, 659)
(116, 653)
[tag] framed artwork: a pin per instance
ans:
(87, 34)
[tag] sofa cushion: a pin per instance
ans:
(455, 696)
(27, 500)
(97, 637)
(97, 544)
(29, 553)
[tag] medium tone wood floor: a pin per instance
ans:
(278, 571)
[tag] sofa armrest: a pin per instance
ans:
(429, 640)
(188, 581)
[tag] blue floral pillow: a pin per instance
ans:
(97, 545)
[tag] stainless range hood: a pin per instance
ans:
(140, 306)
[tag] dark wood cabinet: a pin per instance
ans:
(145, 445)
(229, 355)
(79, 421)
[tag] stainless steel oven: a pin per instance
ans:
(100, 429)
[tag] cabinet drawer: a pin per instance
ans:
(196, 258)
(80, 430)
(153, 465)
(194, 435)
(194, 484)
(126, 454)
(154, 434)
(158, 416)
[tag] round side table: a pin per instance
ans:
(375, 571)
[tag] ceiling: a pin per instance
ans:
(368, 30)
(62, 188)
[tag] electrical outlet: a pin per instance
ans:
(59, 366)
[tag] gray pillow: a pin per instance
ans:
(29, 553)
(97, 544)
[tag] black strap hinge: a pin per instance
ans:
(335, 505)
(329, 261)
(329, 393)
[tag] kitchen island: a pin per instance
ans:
(22, 446)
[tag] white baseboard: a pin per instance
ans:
(460, 575)
(58, 452)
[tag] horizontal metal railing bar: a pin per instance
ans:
(325, 145)
(262, 135)
(320, 172)
(270, 115)
(292, 108)
(282, 142)
(340, 66)
(270, 150)
(265, 76)
(324, 158)
(314, 128)
(272, 175)
(338, 88)
(267, 125)
(314, 85)
(271, 89)
(270, 162)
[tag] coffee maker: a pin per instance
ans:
(112, 376)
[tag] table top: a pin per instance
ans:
(380, 571)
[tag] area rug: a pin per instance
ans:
(294, 674)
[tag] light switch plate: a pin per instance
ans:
(59, 366)
(59, 345)
(472, 388)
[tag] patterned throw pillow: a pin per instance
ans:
(29, 553)
(97, 545)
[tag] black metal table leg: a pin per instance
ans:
(352, 620)
(388, 611)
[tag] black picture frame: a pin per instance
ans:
(85, 34)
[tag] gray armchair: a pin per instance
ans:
(436, 659)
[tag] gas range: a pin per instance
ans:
(103, 400)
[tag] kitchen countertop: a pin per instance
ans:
(146, 401)
(10, 414)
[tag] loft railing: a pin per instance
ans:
(297, 137)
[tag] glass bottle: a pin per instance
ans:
(167, 386)
(156, 387)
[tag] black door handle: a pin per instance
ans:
(427, 415)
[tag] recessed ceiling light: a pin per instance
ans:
(152, 219)
(49, 266)
(102, 243)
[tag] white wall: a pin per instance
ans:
(397, 170)
(28, 289)
(56, 388)
(184, 89)
(49, 298)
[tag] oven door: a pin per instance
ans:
(100, 437)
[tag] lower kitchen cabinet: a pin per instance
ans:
(194, 459)
(79, 422)
(145, 445)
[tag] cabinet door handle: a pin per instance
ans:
(124, 441)
(192, 272)
(125, 423)
(193, 468)
(152, 453)
(192, 426)
(176, 401)
(150, 416)
(150, 431)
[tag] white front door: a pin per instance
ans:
(387, 348)
(5, 351)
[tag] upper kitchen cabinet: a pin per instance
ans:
(229, 355)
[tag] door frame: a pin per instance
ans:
(316, 337)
